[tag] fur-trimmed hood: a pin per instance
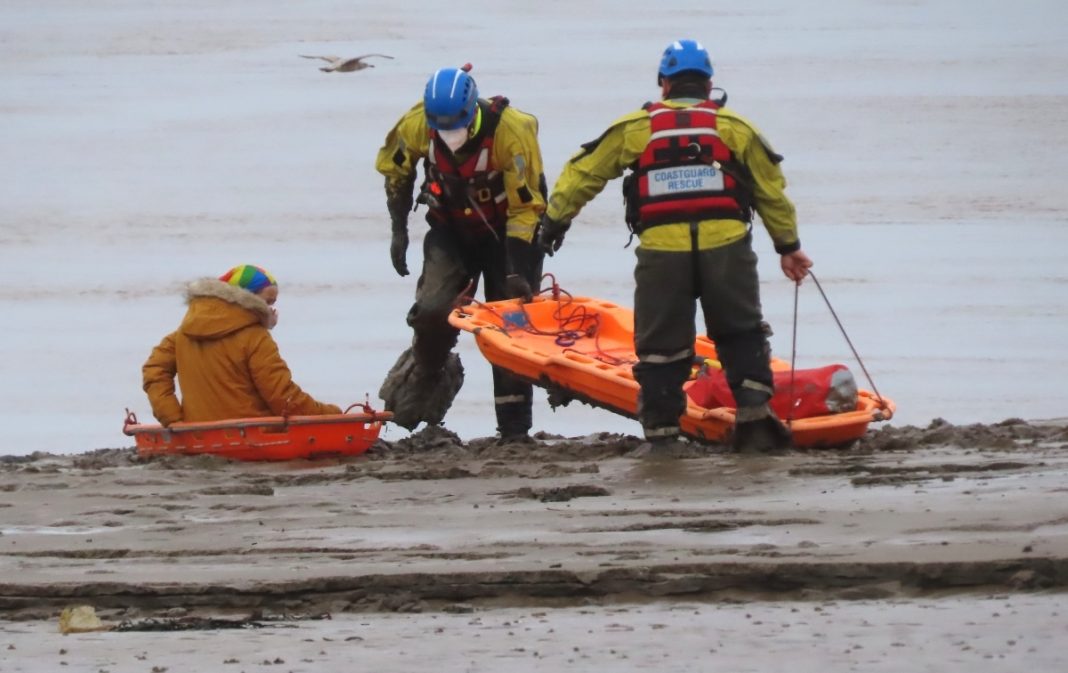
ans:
(217, 309)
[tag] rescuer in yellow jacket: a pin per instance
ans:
(697, 172)
(484, 191)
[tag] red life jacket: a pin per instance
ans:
(686, 172)
(469, 195)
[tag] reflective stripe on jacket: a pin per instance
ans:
(607, 157)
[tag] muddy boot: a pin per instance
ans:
(764, 434)
(415, 395)
(520, 438)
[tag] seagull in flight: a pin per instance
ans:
(338, 64)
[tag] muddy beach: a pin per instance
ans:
(430, 530)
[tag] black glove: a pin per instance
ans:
(399, 203)
(522, 265)
(551, 234)
(398, 249)
(517, 287)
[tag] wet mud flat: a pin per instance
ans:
(936, 548)
(979, 634)
(430, 523)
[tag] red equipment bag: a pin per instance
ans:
(816, 392)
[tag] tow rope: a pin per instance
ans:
(841, 328)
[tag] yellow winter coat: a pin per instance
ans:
(587, 172)
(516, 154)
(226, 361)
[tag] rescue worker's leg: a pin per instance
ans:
(445, 275)
(513, 398)
(664, 335)
(422, 384)
(730, 301)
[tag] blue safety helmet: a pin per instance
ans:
(684, 56)
(450, 100)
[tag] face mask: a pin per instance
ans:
(455, 138)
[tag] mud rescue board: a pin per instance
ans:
(583, 348)
(266, 438)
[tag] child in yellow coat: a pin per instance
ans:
(226, 362)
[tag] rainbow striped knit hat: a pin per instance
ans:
(248, 276)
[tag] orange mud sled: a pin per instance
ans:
(266, 438)
(583, 348)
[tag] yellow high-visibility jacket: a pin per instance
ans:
(587, 172)
(226, 362)
(516, 154)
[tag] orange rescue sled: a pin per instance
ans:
(266, 438)
(584, 348)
